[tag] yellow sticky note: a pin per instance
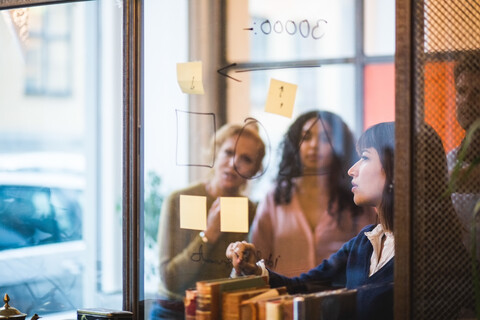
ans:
(189, 77)
(234, 214)
(193, 212)
(281, 98)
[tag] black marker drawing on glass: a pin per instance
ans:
(290, 27)
(199, 257)
(281, 91)
(184, 118)
(246, 67)
(237, 163)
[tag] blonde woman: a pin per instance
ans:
(187, 256)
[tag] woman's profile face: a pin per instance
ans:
(316, 151)
(236, 161)
(368, 179)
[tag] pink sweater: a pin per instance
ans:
(287, 243)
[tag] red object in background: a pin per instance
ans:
(379, 95)
(439, 99)
(440, 103)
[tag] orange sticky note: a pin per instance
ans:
(193, 212)
(234, 214)
(281, 98)
(189, 77)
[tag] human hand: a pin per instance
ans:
(213, 222)
(244, 258)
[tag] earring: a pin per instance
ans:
(390, 187)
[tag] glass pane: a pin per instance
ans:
(163, 97)
(219, 101)
(60, 158)
(57, 20)
(57, 79)
(379, 27)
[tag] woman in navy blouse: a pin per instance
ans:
(365, 262)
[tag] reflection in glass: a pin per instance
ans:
(60, 157)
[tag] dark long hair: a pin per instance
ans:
(344, 156)
(381, 137)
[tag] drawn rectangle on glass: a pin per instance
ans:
(185, 136)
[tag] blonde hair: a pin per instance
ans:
(227, 131)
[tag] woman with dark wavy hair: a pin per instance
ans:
(310, 212)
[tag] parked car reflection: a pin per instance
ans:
(42, 252)
(34, 215)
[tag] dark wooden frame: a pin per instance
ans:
(132, 150)
(11, 4)
(403, 158)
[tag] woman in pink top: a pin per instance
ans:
(310, 213)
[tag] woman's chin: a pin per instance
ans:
(230, 188)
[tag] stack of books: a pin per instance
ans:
(256, 307)
(210, 294)
(251, 298)
(233, 301)
(337, 304)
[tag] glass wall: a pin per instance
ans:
(60, 157)
(255, 66)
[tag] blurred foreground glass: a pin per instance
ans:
(60, 157)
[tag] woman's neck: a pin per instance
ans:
(312, 184)
(381, 220)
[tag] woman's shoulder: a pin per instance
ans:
(367, 228)
(361, 239)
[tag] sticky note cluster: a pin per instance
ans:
(233, 213)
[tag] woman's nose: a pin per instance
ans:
(231, 161)
(313, 142)
(352, 171)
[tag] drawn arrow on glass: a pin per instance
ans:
(245, 67)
